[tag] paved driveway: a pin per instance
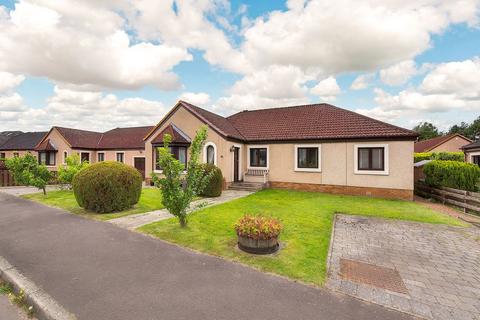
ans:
(99, 271)
(424, 269)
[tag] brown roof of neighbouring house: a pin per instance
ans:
(46, 145)
(118, 138)
(23, 141)
(124, 138)
(429, 144)
(6, 135)
(178, 136)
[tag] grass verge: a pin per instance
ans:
(150, 199)
(307, 220)
(18, 299)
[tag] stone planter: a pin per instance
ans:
(259, 246)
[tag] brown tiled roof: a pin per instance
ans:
(6, 135)
(429, 144)
(24, 141)
(124, 138)
(315, 121)
(80, 138)
(46, 145)
(218, 122)
(177, 135)
(119, 138)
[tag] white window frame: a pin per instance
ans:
(471, 154)
(257, 147)
(295, 150)
(155, 159)
(64, 157)
(104, 154)
(116, 156)
(386, 158)
(240, 162)
(89, 155)
(214, 152)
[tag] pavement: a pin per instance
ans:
(135, 221)
(432, 271)
(97, 270)
(21, 190)
(8, 311)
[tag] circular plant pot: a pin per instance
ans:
(258, 246)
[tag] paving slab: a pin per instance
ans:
(97, 270)
(436, 264)
(135, 221)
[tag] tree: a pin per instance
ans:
(73, 165)
(179, 189)
(426, 130)
(26, 171)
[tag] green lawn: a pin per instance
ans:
(307, 220)
(151, 199)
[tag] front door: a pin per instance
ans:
(236, 164)
(139, 164)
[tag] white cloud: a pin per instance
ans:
(81, 109)
(399, 73)
(362, 81)
(83, 44)
(327, 89)
(199, 99)
(451, 88)
(9, 81)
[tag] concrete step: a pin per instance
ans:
(247, 186)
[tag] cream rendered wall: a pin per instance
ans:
(452, 145)
(128, 157)
(470, 153)
(189, 124)
(21, 153)
(57, 140)
(337, 166)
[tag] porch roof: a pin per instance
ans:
(46, 145)
(178, 136)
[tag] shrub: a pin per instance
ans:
(454, 156)
(215, 183)
(27, 172)
(258, 227)
(73, 166)
(107, 187)
(453, 174)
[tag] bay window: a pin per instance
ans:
(178, 152)
(46, 157)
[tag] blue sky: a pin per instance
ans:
(229, 56)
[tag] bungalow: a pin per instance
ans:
(316, 147)
(449, 143)
(121, 144)
(20, 143)
(472, 152)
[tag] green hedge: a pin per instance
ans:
(107, 187)
(453, 156)
(215, 185)
(453, 174)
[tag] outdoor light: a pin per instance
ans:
(232, 148)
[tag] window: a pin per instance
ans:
(210, 155)
(120, 156)
(2, 155)
(85, 156)
(258, 157)
(15, 154)
(179, 153)
(307, 157)
(100, 156)
(371, 159)
(475, 159)
(47, 158)
(65, 155)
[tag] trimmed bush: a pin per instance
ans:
(453, 174)
(215, 185)
(453, 156)
(107, 187)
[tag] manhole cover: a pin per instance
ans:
(373, 275)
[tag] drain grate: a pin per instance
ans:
(373, 275)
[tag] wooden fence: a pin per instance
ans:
(467, 200)
(6, 179)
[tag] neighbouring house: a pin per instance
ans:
(20, 143)
(449, 143)
(5, 135)
(472, 152)
(316, 147)
(121, 144)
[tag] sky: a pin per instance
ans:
(101, 64)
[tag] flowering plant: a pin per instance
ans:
(258, 227)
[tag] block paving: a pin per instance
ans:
(438, 264)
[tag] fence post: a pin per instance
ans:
(465, 193)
